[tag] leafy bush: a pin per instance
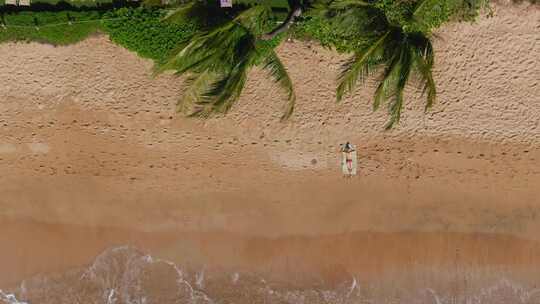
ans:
(138, 29)
(407, 15)
(432, 13)
(319, 29)
(141, 30)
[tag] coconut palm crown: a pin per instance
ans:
(390, 49)
(217, 60)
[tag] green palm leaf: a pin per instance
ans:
(220, 59)
(228, 90)
(400, 50)
(360, 67)
(424, 63)
(196, 86)
(405, 67)
(388, 83)
(278, 71)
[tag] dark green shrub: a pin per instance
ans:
(318, 29)
(404, 14)
(141, 30)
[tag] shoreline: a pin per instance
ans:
(363, 255)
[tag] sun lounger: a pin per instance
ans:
(11, 2)
(24, 2)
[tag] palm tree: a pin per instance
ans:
(400, 53)
(217, 60)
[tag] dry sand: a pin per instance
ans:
(93, 156)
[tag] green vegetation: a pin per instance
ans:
(401, 46)
(138, 29)
(143, 31)
(387, 37)
(319, 29)
(217, 47)
(432, 13)
(218, 61)
(58, 28)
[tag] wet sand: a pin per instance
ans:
(93, 157)
(386, 264)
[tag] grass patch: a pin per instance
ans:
(50, 27)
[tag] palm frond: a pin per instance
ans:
(278, 71)
(232, 91)
(345, 16)
(196, 86)
(184, 57)
(254, 19)
(219, 60)
(388, 83)
(395, 110)
(359, 67)
(204, 13)
(405, 68)
(224, 91)
(208, 51)
(180, 13)
(424, 59)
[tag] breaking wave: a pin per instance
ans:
(124, 275)
(9, 298)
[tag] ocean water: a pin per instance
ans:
(125, 275)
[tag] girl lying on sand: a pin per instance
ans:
(348, 161)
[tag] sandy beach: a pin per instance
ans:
(93, 157)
